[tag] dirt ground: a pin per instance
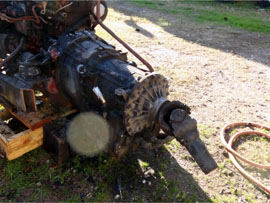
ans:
(221, 73)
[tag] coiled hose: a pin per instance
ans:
(233, 153)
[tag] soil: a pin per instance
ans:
(220, 72)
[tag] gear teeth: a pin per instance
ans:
(138, 107)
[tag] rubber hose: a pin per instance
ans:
(233, 153)
(13, 54)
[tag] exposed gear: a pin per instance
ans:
(144, 102)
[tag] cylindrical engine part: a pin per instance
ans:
(87, 63)
(174, 119)
(198, 151)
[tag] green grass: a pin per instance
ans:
(34, 176)
(243, 15)
(206, 131)
(22, 174)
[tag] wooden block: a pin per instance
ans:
(54, 141)
(15, 145)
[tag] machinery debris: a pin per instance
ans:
(52, 57)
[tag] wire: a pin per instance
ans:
(233, 153)
(35, 18)
(13, 54)
(64, 7)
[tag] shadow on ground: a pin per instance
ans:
(250, 45)
(138, 28)
(157, 176)
(142, 176)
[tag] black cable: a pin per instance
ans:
(13, 54)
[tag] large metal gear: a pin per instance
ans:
(144, 101)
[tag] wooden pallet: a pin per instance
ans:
(14, 145)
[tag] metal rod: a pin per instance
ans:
(121, 41)
(126, 46)
(98, 10)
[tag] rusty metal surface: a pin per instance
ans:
(176, 122)
(32, 120)
(127, 46)
(17, 93)
(144, 102)
(99, 21)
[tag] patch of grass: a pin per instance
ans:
(212, 12)
(162, 22)
(206, 131)
(173, 145)
(22, 174)
(143, 164)
(74, 198)
(103, 193)
(149, 3)
(240, 22)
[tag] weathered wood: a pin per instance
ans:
(5, 134)
(15, 145)
(4, 114)
(5, 131)
(54, 140)
(34, 120)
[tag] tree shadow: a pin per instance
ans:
(159, 177)
(250, 45)
(147, 176)
(138, 28)
(142, 176)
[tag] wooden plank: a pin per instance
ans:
(5, 134)
(54, 140)
(3, 146)
(15, 145)
(4, 114)
(23, 142)
(64, 114)
(5, 131)
(34, 120)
